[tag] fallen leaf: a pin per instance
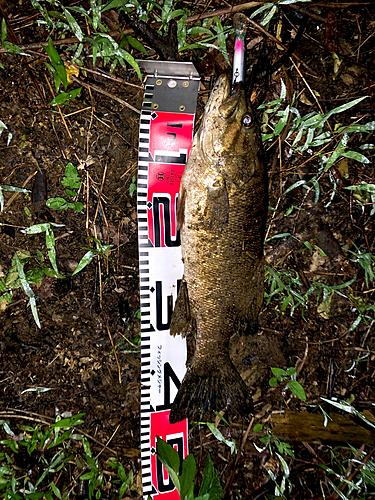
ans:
(71, 70)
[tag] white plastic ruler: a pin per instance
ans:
(165, 137)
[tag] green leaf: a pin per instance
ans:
(75, 205)
(71, 179)
(264, 7)
(50, 243)
(170, 459)
(336, 490)
(114, 4)
(308, 245)
(132, 187)
(35, 496)
(86, 259)
(14, 189)
(356, 156)
(57, 80)
(269, 16)
(272, 382)
(68, 422)
(221, 38)
(37, 228)
(56, 490)
(62, 204)
(343, 285)
(281, 235)
(174, 14)
(123, 489)
(4, 187)
(211, 483)
(297, 390)
(22, 276)
(218, 435)
(294, 186)
(56, 61)
(343, 405)
(197, 30)
(282, 122)
(7, 429)
(71, 192)
(291, 371)
(6, 296)
(86, 447)
(279, 373)
(344, 107)
(88, 475)
(27, 289)
(74, 25)
(286, 302)
(134, 43)
(187, 476)
(130, 60)
(13, 48)
(284, 465)
(57, 203)
(317, 190)
(65, 96)
(35, 275)
(3, 30)
(167, 454)
(368, 188)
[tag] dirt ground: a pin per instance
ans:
(83, 316)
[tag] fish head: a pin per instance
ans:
(229, 138)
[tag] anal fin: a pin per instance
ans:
(182, 322)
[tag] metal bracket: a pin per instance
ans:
(175, 86)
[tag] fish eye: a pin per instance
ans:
(247, 120)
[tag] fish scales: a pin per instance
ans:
(221, 215)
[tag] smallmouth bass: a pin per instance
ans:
(221, 215)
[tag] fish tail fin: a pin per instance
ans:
(207, 389)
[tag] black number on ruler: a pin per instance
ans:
(159, 308)
(173, 137)
(173, 441)
(169, 375)
(166, 202)
(179, 160)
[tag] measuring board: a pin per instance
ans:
(165, 137)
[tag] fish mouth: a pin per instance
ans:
(219, 94)
(224, 100)
(223, 109)
(233, 103)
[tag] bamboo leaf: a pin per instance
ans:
(86, 259)
(56, 61)
(74, 25)
(29, 292)
(65, 96)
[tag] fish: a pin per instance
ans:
(221, 214)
